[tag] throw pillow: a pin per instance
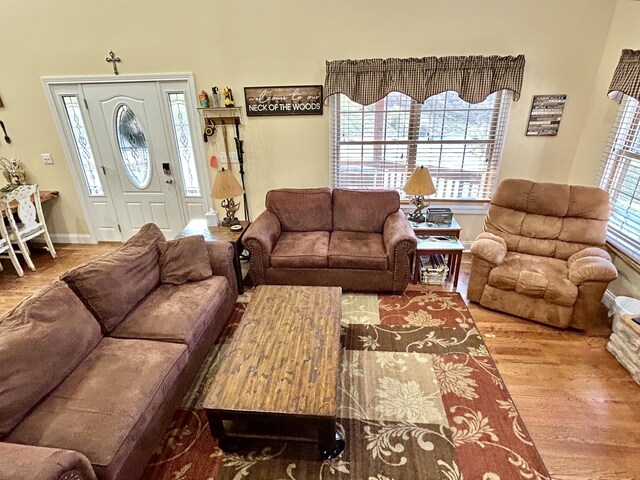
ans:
(184, 260)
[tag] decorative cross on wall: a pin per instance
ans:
(114, 60)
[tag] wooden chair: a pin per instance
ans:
(5, 246)
(31, 218)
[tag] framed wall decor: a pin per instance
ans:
(545, 116)
(294, 100)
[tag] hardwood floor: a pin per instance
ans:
(580, 406)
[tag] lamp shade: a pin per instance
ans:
(420, 183)
(226, 185)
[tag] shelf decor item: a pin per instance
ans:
(225, 188)
(13, 172)
(420, 186)
(439, 216)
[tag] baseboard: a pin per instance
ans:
(67, 238)
(467, 244)
(608, 298)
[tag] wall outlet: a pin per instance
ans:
(46, 158)
(222, 158)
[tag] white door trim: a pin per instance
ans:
(49, 82)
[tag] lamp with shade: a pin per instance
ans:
(225, 188)
(419, 186)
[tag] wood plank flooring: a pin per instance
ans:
(580, 406)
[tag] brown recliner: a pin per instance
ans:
(355, 239)
(541, 254)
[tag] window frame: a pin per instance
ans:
(495, 137)
(616, 163)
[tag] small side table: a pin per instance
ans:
(430, 245)
(221, 234)
(425, 247)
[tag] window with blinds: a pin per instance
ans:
(379, 145)
(620, 176)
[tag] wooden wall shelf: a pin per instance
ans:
(221, 115)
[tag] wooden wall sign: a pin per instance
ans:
(295, 100)
(546, 113)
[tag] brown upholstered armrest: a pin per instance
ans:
(221, 258)
(591, 264)
(400, 243)
(490, 248)
(26, 462)
(259, 239)
(588, 252)
(397, 229)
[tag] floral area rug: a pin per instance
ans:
(420, 398)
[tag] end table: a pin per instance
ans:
(221, 234)
(427, 245)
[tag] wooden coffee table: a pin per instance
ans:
(281, 366)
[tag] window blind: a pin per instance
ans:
(379, 145)
(619, 174)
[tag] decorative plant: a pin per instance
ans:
(13, 172)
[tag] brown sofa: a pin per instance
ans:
(541, 255)
(81, 398)
(355, 239)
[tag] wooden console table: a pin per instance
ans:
(45, 196)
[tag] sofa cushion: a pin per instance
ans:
(184, 260)
(538, 277)
(41, 342)
(301, 209)
(111, 285)
(176, 313)
(105, 405)
(357, 250)
(300, 250)
(363, 210)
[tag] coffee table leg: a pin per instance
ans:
(330, 441)
(215, 424)
(226, 444)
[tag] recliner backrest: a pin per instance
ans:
(548, 219)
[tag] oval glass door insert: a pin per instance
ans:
(133, 147)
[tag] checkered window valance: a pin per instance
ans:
(626, 78)
(472, 77)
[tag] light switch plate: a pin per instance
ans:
(222, 158)
(46, 158)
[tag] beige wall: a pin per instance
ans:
(601, 115)
(271, 42)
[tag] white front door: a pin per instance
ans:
(135, 151)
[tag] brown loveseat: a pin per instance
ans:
(541, 255)
(81, 398)
(354, 239)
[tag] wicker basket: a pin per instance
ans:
(433, 269)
